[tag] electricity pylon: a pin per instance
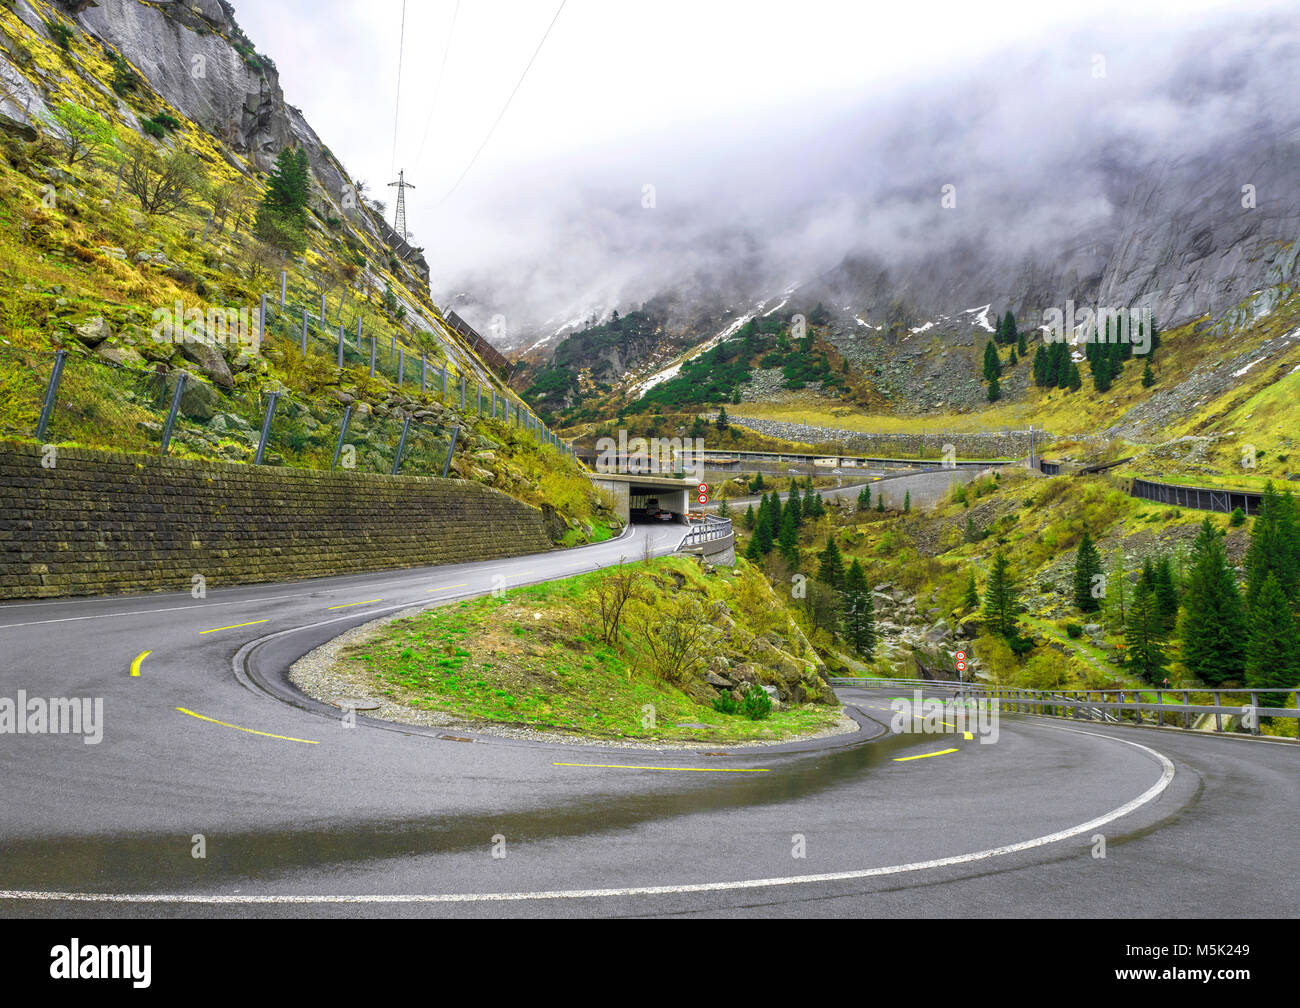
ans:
(399, 215)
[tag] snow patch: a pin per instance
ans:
(981, 319)
(1238, 374)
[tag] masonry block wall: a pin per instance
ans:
(100, 522)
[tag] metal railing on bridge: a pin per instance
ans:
(1243, 707)
(711, 529)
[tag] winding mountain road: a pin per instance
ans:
(300, 815)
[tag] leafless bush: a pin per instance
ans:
(671, 634)
(612, 593)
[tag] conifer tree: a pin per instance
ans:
(789, 537)
(1002, 598)
(1143, 640)
(859, 611)
(864, 499)
(749, 517)
(992, 364)
(1274, 546)
(1272, 642)
(1087, 567)
(795, 508)
(995, 390)
(971, 599)
(831, 571)
(1214, 627)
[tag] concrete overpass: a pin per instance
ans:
(633, 491)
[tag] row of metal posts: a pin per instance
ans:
(543, 433)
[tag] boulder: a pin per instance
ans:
(200, 401)
(94, 331)
(123, 356)
(207, 358)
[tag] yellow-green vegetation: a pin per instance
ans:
(85, 244)
(928, 556)
(554, 657)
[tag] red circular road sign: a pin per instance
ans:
(703, 488)
(961, 666)
(704, 498)
(961, 655)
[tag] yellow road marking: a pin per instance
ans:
(135, 665)
(448, 587)
(941, 752)
(621, 766)
(236, 626)
(224, 724)
(349, 605)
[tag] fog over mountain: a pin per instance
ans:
(1107, 160)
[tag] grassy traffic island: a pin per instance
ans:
(661, 651)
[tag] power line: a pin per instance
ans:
(401, 45)
(506, 105)
(437, 87)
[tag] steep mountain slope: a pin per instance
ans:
(96, 260)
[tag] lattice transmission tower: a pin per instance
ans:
(399, 215)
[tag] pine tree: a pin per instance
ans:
(1075, 381)
(282, 214)
(1214, 628)
(1274, 546)
(724, 509)
(1002, 598)
(1012, 359)
(795, 508)
(971, 599)
(1148, 377)
(1021, 346)
(907, 500)
(1009, 328)
(859, 611)
(722, 422)
(1087, 567)
(775, 514)
(992, 364)
(749, 517)
(880, 503)
(789, 537)
(1100, 372)
(995, 390)
(864, 499)
(831, 571)
(1272, 643)
(1143, 640)
(1063, 365)
(763, 538)
(758, 482)
(1039, 367)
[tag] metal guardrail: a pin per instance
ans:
(711, 529)
(1094, 705)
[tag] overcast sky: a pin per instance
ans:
(670, 94)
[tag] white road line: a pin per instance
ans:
(147, 612)
(1149, 795)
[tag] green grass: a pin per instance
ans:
(532, 657)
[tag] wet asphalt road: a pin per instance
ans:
(304, 817)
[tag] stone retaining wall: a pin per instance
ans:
(100, 522)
